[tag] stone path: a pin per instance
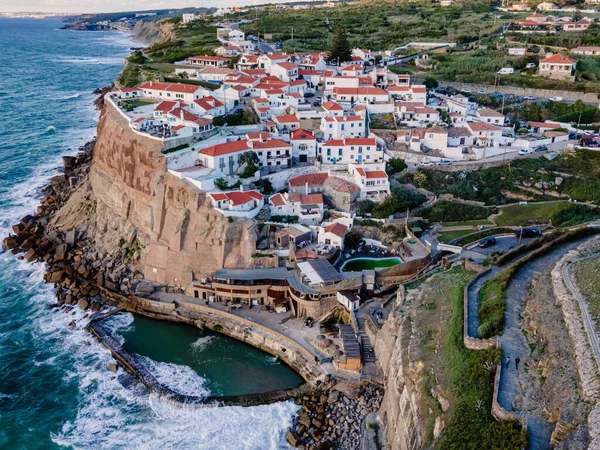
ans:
(513, 340)
(367, 353)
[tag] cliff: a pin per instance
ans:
(152, 32)
(179, 237)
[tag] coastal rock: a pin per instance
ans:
(83, 304)
(112, 367)
(292, 438)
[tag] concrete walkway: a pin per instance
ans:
(513, 340)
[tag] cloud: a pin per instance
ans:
(96, 6)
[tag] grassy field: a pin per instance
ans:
(447, 236)
(532, 213)
(464, 376)
(587, 279)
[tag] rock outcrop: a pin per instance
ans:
(181, 237)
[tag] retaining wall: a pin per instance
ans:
(471, 342)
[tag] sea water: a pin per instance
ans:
(55, 388)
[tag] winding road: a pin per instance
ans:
(513, 341)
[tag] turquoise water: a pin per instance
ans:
(359, 264)
(218, 364)
(55, 389)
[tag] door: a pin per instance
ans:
(303, 158)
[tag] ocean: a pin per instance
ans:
(55, 388)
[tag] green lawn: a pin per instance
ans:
(466, 223)
(131, 104)
(533, 213)
(446, 236)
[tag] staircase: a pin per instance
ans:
(367, 353)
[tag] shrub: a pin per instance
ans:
(352, 240)
(395, 165)
(573, 214)
(445, 211)
(398, 201)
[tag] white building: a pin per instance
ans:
(332, 234)
(308, 207)
(304, 145)
(237, 203)
(171, 91)
(490, 116)
(340, 127)
(350, 150)
(187, 18)
(285, 71)
(364, 95)
(371, 178)
(266, 61)
(286, 122)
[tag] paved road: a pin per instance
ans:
(590, 328)
(503, 244)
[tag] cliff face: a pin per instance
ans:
(180, 236)
(152, 32)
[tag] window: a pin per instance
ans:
(328, 152)
(340, 152)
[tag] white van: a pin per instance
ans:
(506, 71)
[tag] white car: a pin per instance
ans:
(525, 151)
(557, 99)
(428, 163)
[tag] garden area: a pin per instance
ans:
(561, 213)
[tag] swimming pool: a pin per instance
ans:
(359, 264)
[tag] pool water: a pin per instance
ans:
(359, 264)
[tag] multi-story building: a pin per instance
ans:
(350, 150)
(340, 127)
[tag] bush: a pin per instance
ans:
(398, 201)
(446, 211)
(395, 165)
(352, 240)
(570, 214)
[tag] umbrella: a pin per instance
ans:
(328, 342)
(321, 337)
(339, 353)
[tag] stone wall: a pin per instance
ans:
(588, 97)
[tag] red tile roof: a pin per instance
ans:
(332, 106)
(271, 143)
(287, 118)
(311, 199)
(277, 200)
(224, 149)
(312, 179)
(302, 135)
(337, 228)
(377, 174)
(558, 59)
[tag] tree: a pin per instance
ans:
(395, 165)
(431, 83)
(340, 47)
(352, 240)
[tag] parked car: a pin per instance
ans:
(573, 135)
(530, 66)
(481, 92)
(308, 95)
(445, 162)
(316, 103)
(529, 97)
(487, 242)
(525, 151)
(427, 163)
(528, 232)
(557, 99)
(541, 148)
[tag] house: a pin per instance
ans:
(208, 106)
(536, 17)
(488, 115)
(307, 207)
(333, 234)
(135, 92)
(363, 54)
(587, 51)
(414, 114)
(341, 192)
(237, 203)
(224, 158)
(542, 127)
(315, 77)
(287, 122)
(297, 234)
(412, 93)
(227, 50)
(352, 70)
(187, 18)
(213, 74)
(580, 25)
(522, 6)
(262, 109)
(171, 91)
(309, 183)
(340, 127)
(459, 137)
(363, 95)
(266, 61)
(236, 35)
(424, 140)
(547, 6)
(247, 62)
(558, 67)
(304, 145)
(310, 61)
(270, 151)
(207, 61)
(371, 178)
(285, 71)
(350, 150)
(332, 109)
(243, 46)
(484, 134)
(383, 78)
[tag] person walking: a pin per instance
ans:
(507, 361)
(517, 361)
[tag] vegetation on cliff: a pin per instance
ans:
(457, 382)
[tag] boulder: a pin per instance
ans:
(71, 237)
(83, 304)
(57, 276)
(31, 255)
(292, 438)
(112, 367)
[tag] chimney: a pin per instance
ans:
(306, 188)
(241, 188)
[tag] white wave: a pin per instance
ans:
(50, 129)
(181, 379)
(7, 396)
(67, 97)
(118, 324)
(272, 360)
(107, 60)
(202, 343)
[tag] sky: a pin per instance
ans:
(96, 6)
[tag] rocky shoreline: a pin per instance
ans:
(333, 415)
